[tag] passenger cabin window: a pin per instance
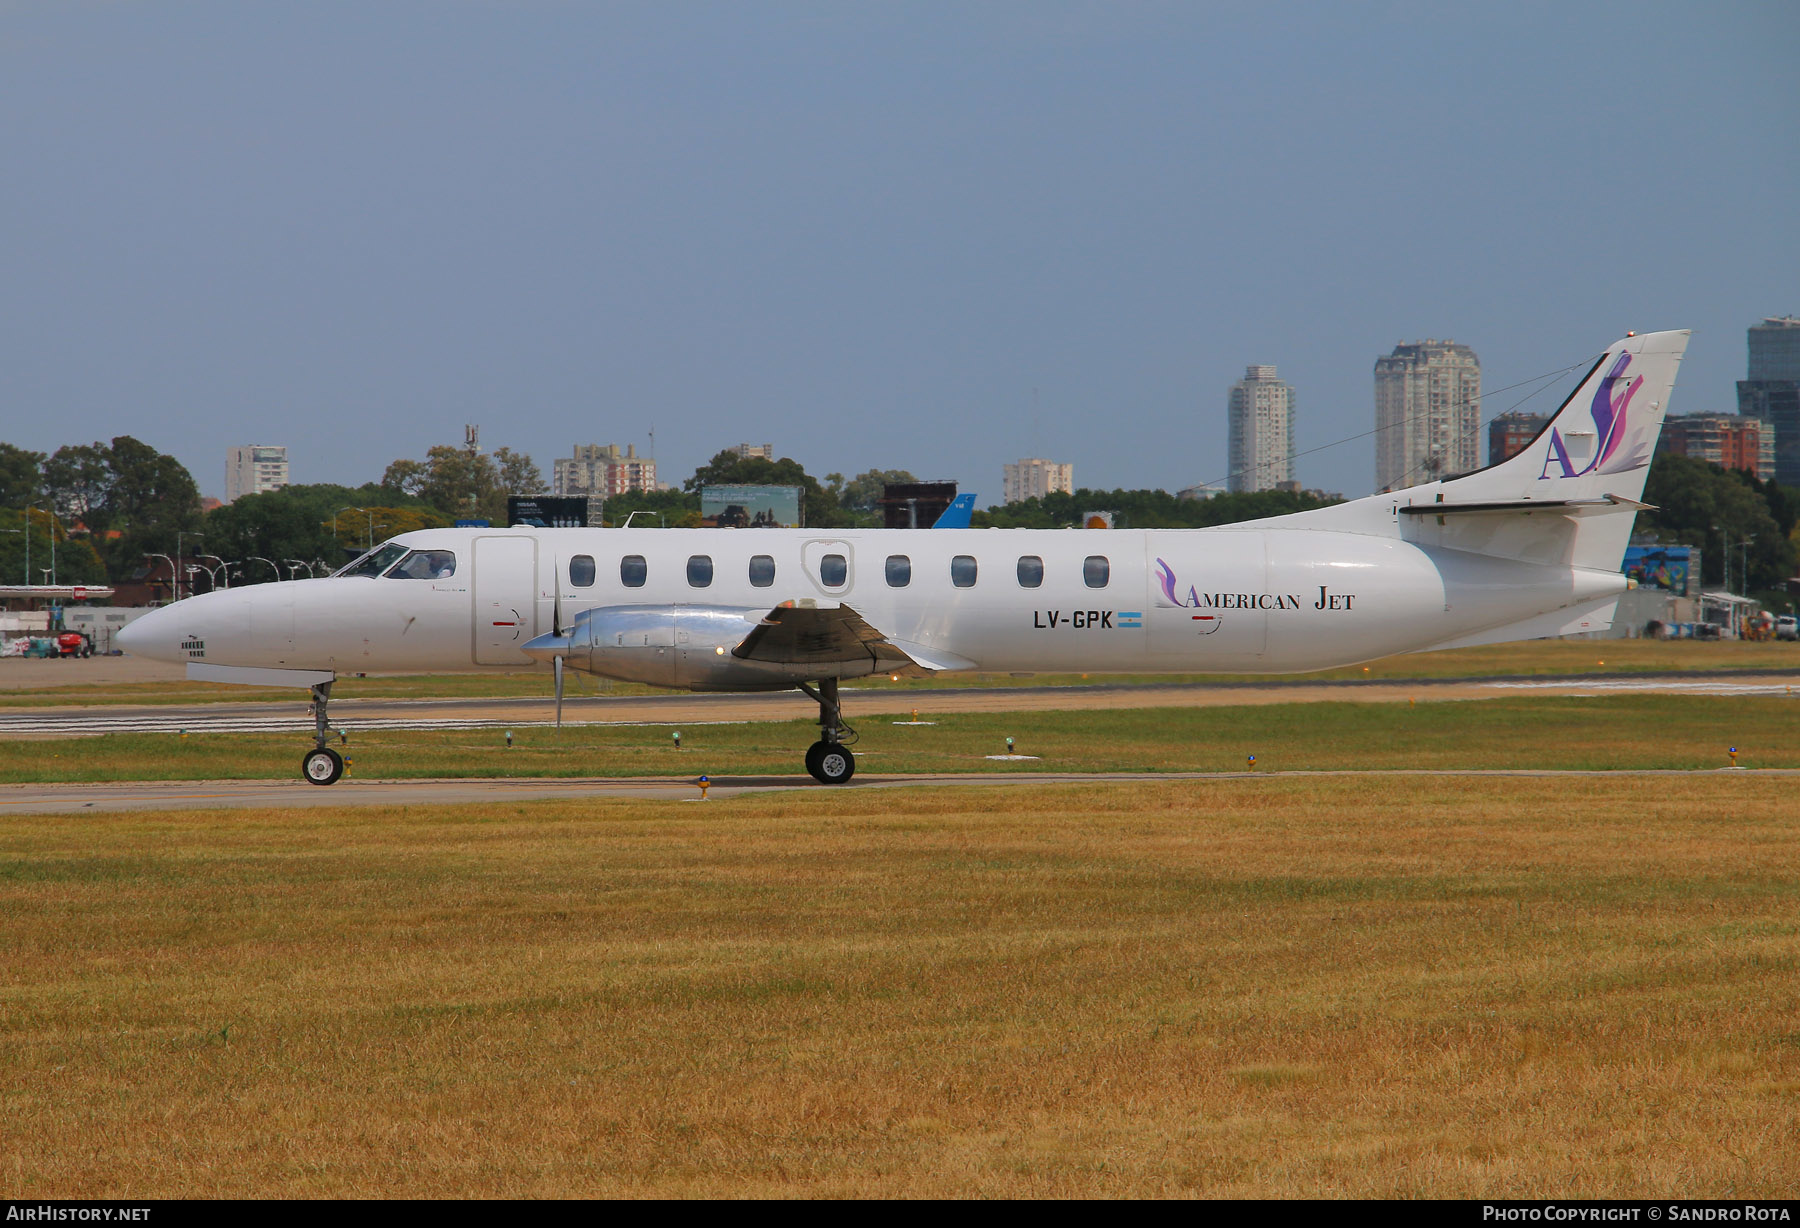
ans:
(581, 571)
(834, 569)
(899, 571)
(962, 571)
(699, 570)
(375, 561)
(425, 565)
(632, 571)
(762, 570)
(1096, 570)
(1031, 571)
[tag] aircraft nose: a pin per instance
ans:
(152, 635)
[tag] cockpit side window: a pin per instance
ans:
(425, 565)
(375, 561)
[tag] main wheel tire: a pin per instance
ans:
(830, 764)
(322, 766)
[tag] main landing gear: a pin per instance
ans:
(321, 765)
(829, 759)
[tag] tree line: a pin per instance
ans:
(106, 507)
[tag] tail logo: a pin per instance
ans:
(1610, 409)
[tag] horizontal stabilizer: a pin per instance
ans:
(1562, 507)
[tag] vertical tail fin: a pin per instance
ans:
(1597, 447)
(957, 515)
(1600, 441)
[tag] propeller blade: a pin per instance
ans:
(556, 603)
(557, 668)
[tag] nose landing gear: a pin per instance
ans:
(829, 760)
(321, 765)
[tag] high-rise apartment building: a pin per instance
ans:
(1775, 348)
(755, 451)
(1427, 413)
(1772, 393)
(1033, 478)
(1509, 433)
(602, 470)
(1261, 435)
(254, 469)
(1731, 441)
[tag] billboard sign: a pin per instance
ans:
(1669, 569)
(550, 511)
(750, 507)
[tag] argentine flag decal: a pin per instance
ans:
(1131, 618)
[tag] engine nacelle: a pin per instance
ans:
(685, 646)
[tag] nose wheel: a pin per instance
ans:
(321, 765)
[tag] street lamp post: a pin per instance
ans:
(51, 574)
(223, 568)
(172, 570)
(179, 534)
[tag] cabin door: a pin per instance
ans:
(505, 599)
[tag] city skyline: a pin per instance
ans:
(905, 237)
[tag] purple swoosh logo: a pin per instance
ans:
(1166, 577)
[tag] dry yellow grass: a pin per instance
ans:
(1258, 987)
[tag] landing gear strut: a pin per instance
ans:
(829, 759)
(321, 765)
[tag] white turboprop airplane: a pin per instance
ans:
(1526, 548)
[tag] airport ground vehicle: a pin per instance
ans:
(74, 644)
(1787, 627)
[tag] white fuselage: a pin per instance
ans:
(1261, 598)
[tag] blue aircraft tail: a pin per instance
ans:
(956, 516)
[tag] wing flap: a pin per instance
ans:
(836, 635)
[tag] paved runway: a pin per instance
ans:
(294, 794)
(292, 716)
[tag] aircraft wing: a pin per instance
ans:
(837, 635)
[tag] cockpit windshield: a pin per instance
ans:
(374, 562)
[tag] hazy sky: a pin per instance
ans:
(926, 236)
